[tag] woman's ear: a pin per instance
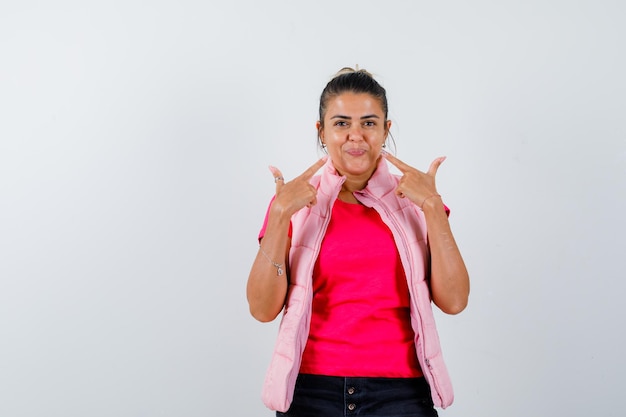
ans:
(387, 129)
(320, 131)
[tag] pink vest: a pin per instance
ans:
(408, 227)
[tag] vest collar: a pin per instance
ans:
(380, 183)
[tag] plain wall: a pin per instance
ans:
(134, 144)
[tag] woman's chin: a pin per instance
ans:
(357, 170)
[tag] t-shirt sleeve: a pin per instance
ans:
(267, 214)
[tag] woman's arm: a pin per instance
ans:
(267, 287)
(449, 279)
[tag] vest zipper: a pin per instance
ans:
(382, 208)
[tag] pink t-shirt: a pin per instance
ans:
(360, 324)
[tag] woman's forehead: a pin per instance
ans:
(354, 103)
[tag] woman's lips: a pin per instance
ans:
(356, 152)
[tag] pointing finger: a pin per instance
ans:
(396, 162)
(434, 166)
(306, 175)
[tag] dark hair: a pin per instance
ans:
(353, 81)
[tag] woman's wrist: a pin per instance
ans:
(431, 201)
(280, 212)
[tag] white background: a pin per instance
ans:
(134, 144)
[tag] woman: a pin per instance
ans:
(355, 256)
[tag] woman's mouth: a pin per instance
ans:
(356, 152)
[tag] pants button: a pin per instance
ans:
(351, 406)
(351, 390)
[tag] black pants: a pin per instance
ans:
(329, 396)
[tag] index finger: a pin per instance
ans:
(397, 163)
(313, 168)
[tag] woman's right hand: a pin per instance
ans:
(296, 194)
(267, 287)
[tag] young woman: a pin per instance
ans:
(355, 256)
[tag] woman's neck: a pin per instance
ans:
(347, 197)
(353, 184)
(356, 182)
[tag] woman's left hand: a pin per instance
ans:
(416, 185)
(449, 280)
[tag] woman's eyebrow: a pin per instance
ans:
(369, 116)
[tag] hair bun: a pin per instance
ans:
(350, 70)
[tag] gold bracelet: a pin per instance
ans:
(279, 267)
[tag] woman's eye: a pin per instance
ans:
(341, 123)
(369, 123)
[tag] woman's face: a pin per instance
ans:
(354, 131)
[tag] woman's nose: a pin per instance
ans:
(355, 133)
